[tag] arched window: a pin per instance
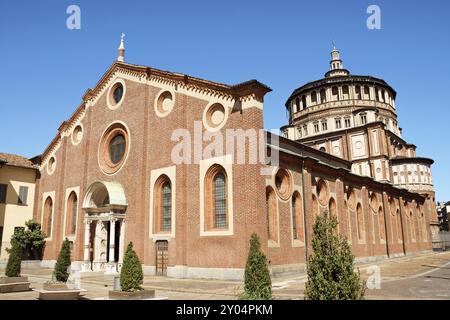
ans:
(220, 201)
(216, 196)
(360, 222)
(381, 227)
(272, 219)
(162, 218)
(72, 214)
(334, 93)
(313, 97)
(47, 218)
(357, 92)
(366, 93)
(297, 217)
(297, 105)
(323, 96)
(345, 93)
(304, 102)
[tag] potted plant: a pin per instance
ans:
(131, 279)
(57, 288)
(13, 282)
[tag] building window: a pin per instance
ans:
(324, 125)
(338, 123)
(347, 122)
(345, 93)
(297, 231)
(216, 187)
(3, 190)
(117, 148)
(118, 93)
(335, 93)
(72, 214)
(323, 96)
(366, 93)
(163, 205)
(303, 102)
(313, 97)
(23, 195)
(359, 222)
(220, 202)
(271, 208)
(297, 105)
(363, 118)
(47, 219)
(316, 127)
(357, 92)
(114, 146)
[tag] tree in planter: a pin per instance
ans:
(31, 239)
(13, 266)
(258, 285)
(131, 275)
(330, 269)
(62, 265)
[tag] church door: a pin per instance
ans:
(162, 257)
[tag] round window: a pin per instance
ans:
(164, 103)
(51, 165)
(117, 148)
(113, 148)
(215, 116)
(283, 184)
(118, 93)
(77, 135)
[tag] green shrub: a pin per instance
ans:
(131, 275)
(330, 269)
(31, 239)
(258, 285)
(13, 266)
(62, 265)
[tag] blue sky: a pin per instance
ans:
(46, 67)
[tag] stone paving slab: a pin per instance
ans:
(425, 276)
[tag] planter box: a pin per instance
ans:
(55, 286)
(137, 295)
(67, 294)
(14, 284)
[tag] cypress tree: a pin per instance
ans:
(330, 268)
(131, 275)
(63, 263)
(13, 267)
(258, 285)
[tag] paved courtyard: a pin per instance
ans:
(425, 276)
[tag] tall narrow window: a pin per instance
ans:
(3, 189)
(167, 206)
(72, 214)
(303, 102)
(359, 222)
(297, 218)
(271, 207)
(338, 123)
(316, 127)
(47, 219)
(313, 97)
(163, 205)
(220, 201)
(381, 226)
(324, 125)
(23, 195)
(347, 122)
(323, 96)
(363, 118)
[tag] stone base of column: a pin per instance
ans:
(86, 266)
(111, 268)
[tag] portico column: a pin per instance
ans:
(121, 240)
(87, 231)
(112, 237)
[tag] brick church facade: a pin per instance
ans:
(126, 167)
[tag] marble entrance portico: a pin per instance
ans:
(105, 206)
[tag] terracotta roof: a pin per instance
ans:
(16, 161)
